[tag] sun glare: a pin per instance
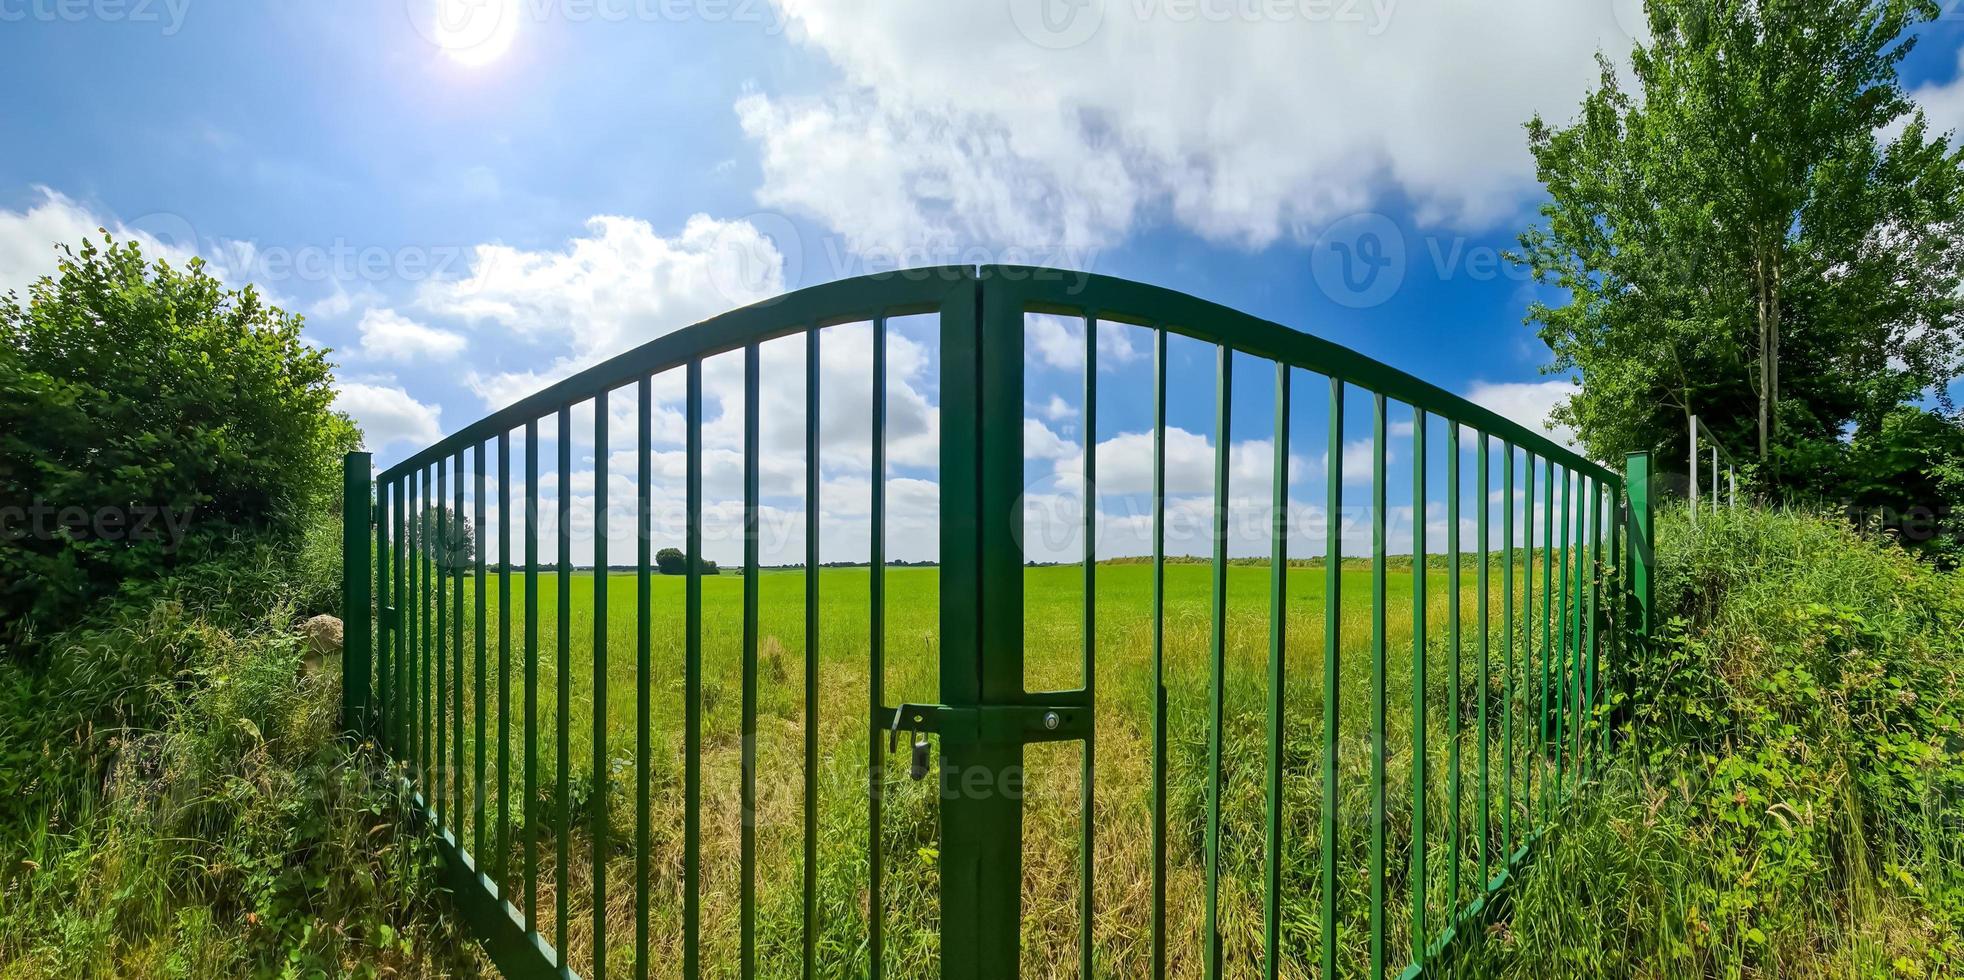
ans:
(472, 32)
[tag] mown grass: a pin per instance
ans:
(1053, 652)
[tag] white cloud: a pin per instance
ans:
(1125, 463)
(1041, 443)
(619, 286)
(388, 335)
(340, 302)
(387, 414)
(1942, 104)
(1058, 342)
(1059, 410)
(28, 238)
(950, 124)
(1528, 403)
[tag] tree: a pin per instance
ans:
(671, 561)
(448, 538)
(150, 417)
(1742, 239)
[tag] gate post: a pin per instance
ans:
(1642, 532)
(356, 591)
(981, 633)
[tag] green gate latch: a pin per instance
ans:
(1012, 724)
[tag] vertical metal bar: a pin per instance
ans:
(453, 549)
(600, 807)
(1528, 768)
(876, 651)
(747, 845)
(1217, 672)
(1595, 603)
(504, 662)
(356, 589)
(1332, 660)
(1562, 644)
(1507, 651)
(1278, 641)
(1548, 558)
(1159, 733)
(1485, 501)
(1378, 692)
(398, 691)
(1453, 734)
(1577, 625)
(644, 533)
(426, 549)
(692, 683)
(388, 626)
(1088, 778)
(1618, 618)
(1573, 664)
(812, 374)
(562, 711)
(440, 558)
(982, 617)
(1641, 529)
(480, 702)
(1694, 471)
(530, 801)
(1419, 599)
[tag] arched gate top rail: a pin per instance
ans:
(1036, 289)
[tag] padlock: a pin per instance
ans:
(919, 768)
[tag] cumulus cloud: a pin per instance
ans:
(387, 414)
(984, 122)
(28, 238)
(1528, 403)
(616, 287)
(388, 335)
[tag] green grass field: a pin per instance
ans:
(1054, 631)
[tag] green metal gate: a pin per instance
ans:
(426, 690)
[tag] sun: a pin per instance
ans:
(470, 32)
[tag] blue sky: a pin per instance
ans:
(467, 212)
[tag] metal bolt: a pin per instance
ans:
(1051, 721)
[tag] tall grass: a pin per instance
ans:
(909, 831)
(178, 801)
(1790, 804)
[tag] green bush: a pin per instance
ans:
(150, 419)
(1791, 803)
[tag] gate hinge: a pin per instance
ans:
(1013, 724)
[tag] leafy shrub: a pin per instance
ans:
(1789, 803)
(132, 393)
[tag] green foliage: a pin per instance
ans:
(137, 388)
(448, 537)
(181, 803)
(1906, 477)
(671, 561)
(1767, 191)
(1790, 804)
